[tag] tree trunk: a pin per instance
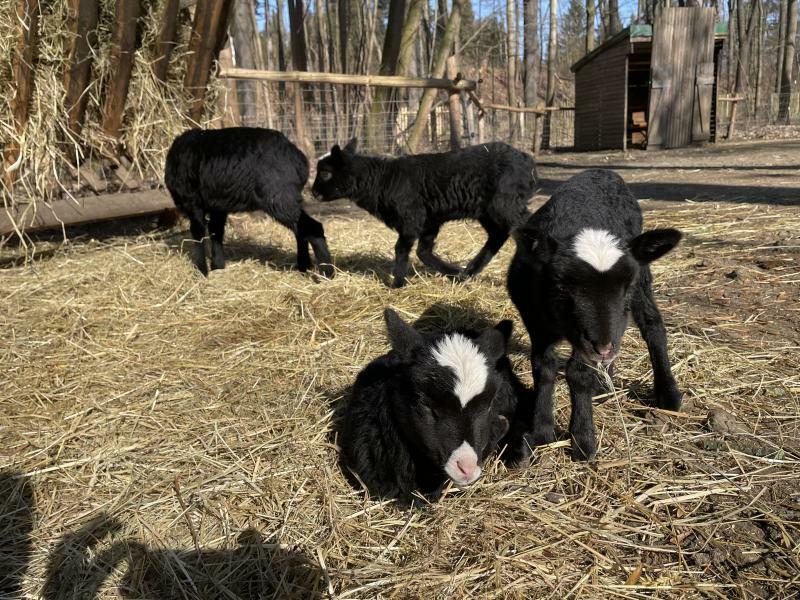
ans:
(614, 23)
(531, 49)
(166, 38)
(27, 15)
(408, 37)
(344, 20)
(759, 58)
(445, 47)
(590, 19)
(788, 62)
(82, 25)
(781, 44)
(511, 65)
(377, 125)
(454, 102)
(205, 42)
(552, 50)
(745, 31)
(244, 40)
(281, 42)
(297, 40)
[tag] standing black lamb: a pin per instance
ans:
(213, 172)
(581, 264)
(429, 410)
(416, 195)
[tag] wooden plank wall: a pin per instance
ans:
(600, 100)
(683, 38)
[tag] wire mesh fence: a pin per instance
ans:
(320, 115)
(775, 115)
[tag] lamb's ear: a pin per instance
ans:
(652, 245)
(352, 146)
(493, 342)
(336, 152)
(535, 244)
(402, 336)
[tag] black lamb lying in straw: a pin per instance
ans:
(416, 195)
(211, 173)
(430, 410)
(581, 265)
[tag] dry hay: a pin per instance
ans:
(192, 411)
(154, 111)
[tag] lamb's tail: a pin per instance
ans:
(73, 570)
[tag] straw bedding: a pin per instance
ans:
(183, 429)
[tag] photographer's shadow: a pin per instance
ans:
(253, 569)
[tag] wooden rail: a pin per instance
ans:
(84, 210)
(519, 109)
(466, 85)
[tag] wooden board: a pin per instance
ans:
(82, 210)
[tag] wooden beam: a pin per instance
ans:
(519, 109)
(208, 34)
(29, 218)
(454, 101)
(166, 38)
(370, 80)
(82, 26)
(123, 46)
(27, 13)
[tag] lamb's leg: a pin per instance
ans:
(197, 225)
(401, 251)
(216, 229)
(311, 231)
(497, 237)
(426, 255)
(533, 424)
(582, 380)
(648, 319)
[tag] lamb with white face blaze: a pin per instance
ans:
(581, 267)
(429, 411)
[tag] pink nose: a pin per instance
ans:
(466, 469)
(605, 351)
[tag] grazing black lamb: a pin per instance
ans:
(580, 266)
(416, 195)
(429, 410)
(213, 172)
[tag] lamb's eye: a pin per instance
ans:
(326, 175)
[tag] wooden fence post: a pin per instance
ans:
(27, 14)
(82, 25)
(166, 38)
(123, 45)
(454, 100)
(207, 39)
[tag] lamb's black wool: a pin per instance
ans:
(405, 426)
(416, 195)
(580, 266)
(211, 173)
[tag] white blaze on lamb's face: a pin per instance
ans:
(460, 354)
(598, 247)
(462, 466)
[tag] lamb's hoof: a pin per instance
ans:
(463, 276)
(397, 283)
(203, 268)
(669, 400)
(542, 436)
(327, 270)
(584, 448)
(217, 265)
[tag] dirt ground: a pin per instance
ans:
(164, 436)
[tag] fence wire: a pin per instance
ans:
(381, 120)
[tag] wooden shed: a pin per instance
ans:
(651, 86)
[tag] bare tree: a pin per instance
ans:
(744, 31)
(614, 23)
(242, 28)
(788, 62)
(511, 64)
(590, 33)
(552, 50)
(344, 20)
(531, 49)
(781, 44)
(445, 48)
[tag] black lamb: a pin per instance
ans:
(211, 173)
(416, 195)
(433, 408)
(580, 267)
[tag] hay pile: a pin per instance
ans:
(154, 112)
(158, 418)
